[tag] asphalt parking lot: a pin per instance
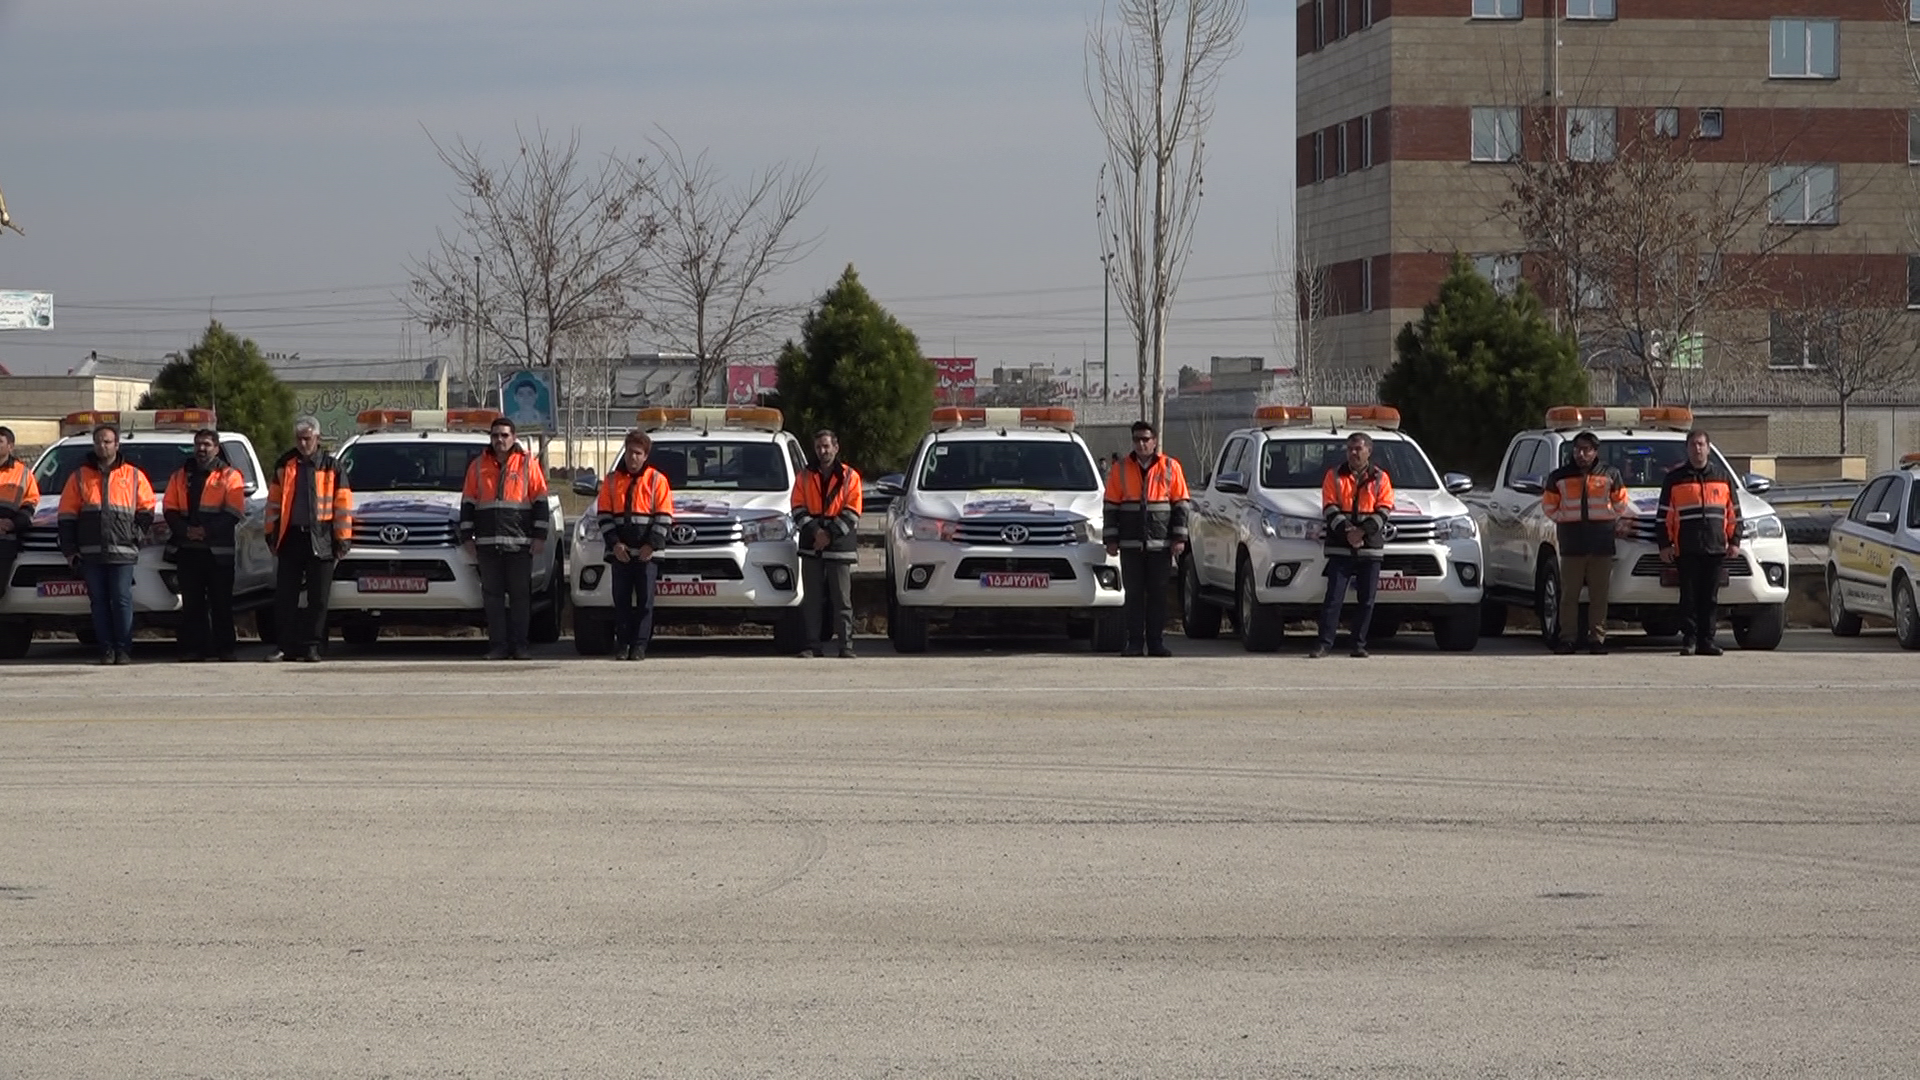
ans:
(978, 862)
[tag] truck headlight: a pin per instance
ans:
(1455, 528)
(772, 528)
(915, 527)
(586, 529)
(1283, 527)
(1766, 527)
(1084, 531)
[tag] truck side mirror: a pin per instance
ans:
(1529, 485)
(589, 486)
(1457, 483)
(1232, 483)
(1757, 483)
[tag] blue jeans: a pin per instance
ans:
(110, 595)
(1365, 575)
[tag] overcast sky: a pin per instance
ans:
(269, 162)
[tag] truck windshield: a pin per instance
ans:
(1303, 463)
(408, 466)
(722, 466)
(1642, 462)
(157, 459)
(1007, 463)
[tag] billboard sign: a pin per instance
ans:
(528, 399)
(953, 382)
(746, 382)
(20, 310)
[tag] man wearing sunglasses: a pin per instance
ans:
(503, 523)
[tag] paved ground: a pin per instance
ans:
(971, 863)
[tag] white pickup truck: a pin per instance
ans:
(44, 593)
(731, 558)
(407, 468)
(1523, 564)
(1256, 553)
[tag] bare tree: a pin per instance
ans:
(6, 220)
(717, 250)
(1847, 334)
(550, 252)
(1151, 78)
(1302, 302)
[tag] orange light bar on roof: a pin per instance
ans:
(1563, 417)
(426, 419)
(1058, 417)
(471, 419)
(1385, 417)
(82, 423)
(748, 418)
(1907, 461)
(183, 419)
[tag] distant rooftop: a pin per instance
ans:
(293, 368)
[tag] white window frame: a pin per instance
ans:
(1809, 358)
(1714, 117)
(1366, 284)
(1496, 9)
(1366, 138)
(1913, 132)
(1803, 184)
(1590, 10)
(1592, 134)
(1319, 25)
(1319, 155)
(1340, 149)
(1504, 135)
(1666, 122)
(1913, 277)
(1341, 27)
(1501, 269)
(1790, 48)
(1913, 11)
(1366, 14)
(1594, 292)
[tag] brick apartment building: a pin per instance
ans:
(1408, 110)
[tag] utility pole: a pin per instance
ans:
(1106, 287)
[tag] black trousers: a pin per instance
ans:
(9, 551)
(1364, 574)
(301, 572)
(633, 583)
(506, 589)
(206, 603)
(826, 592)
(1144, 574)
(1699, 597)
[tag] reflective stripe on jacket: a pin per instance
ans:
(1361, 501)
(1146, 504)
(504, 505)
(833, 501)
(1700, 510)
(635, 509)
(332, 499)
(221, 505)
(19, 497)
(102, 515)
(1585, 505)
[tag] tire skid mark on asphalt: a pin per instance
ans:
(1908, 872)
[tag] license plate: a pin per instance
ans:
(388, 584)
(1015, 581)
(1670, 576)
(687, 588)
(61, 588)
(1398, 583)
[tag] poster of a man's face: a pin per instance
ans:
(527, 399)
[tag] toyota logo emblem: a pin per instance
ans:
(1014, 534)
(393, 535)
(682, 534)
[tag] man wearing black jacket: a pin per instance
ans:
(1700, 510)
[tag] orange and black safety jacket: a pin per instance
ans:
(503, 505)
(1361, 500)
(1700, 510)
(104, 512)
(635, 508)
(213, 498)
(331, 524)
(1585, 505)
(1146, 504)
(19, 498)
(831, 500)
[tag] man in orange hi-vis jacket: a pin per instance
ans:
(503, 523)
(106, 510)
(1701, 517)
(19, 496)
(205, 502)
(827, 502)
(309, 527)
(636, 515)
(1356, 498)
(1587, 502)
(1145, 523)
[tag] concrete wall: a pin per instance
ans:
(49, 397)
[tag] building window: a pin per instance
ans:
(1804, 195)
(1913, 278)
(1799, 340)
(1366, 141)
(1340, 150)
(1339, 19)
(1319, 156)
(1913, 133)
(1713, 122)
(1319, 24)
(1590, 134)
(1666, 123)
(1913, 10)
(1592, 289)
(1366, 13)
(1589, 9)
(1806, 49)
(1496, 9)
(1503, 271)
(1496, 134)
(1366, 284)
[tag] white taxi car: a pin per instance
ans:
(1523, 567)
(731, 558)
(1257, 548)
(1000, 520)
(44, 593)
(1873, 562)
(407, 468)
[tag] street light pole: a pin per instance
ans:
(1106, 289)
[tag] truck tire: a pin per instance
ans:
(1906, 613)
(1261, 627)
(16, 637)
(544, 626)
(1109, 631)
(360, 631)
(790, 631)
(1458, 631)
(592, 631)
(913, 630)
(1546, 597)
(1763, 631)
(1493, 618)
(1199, 619)
(1842, 622)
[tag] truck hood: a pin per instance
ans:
(1305, 503)
(960, 505)
(46, 512)
(408, 505)
(733, 504)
